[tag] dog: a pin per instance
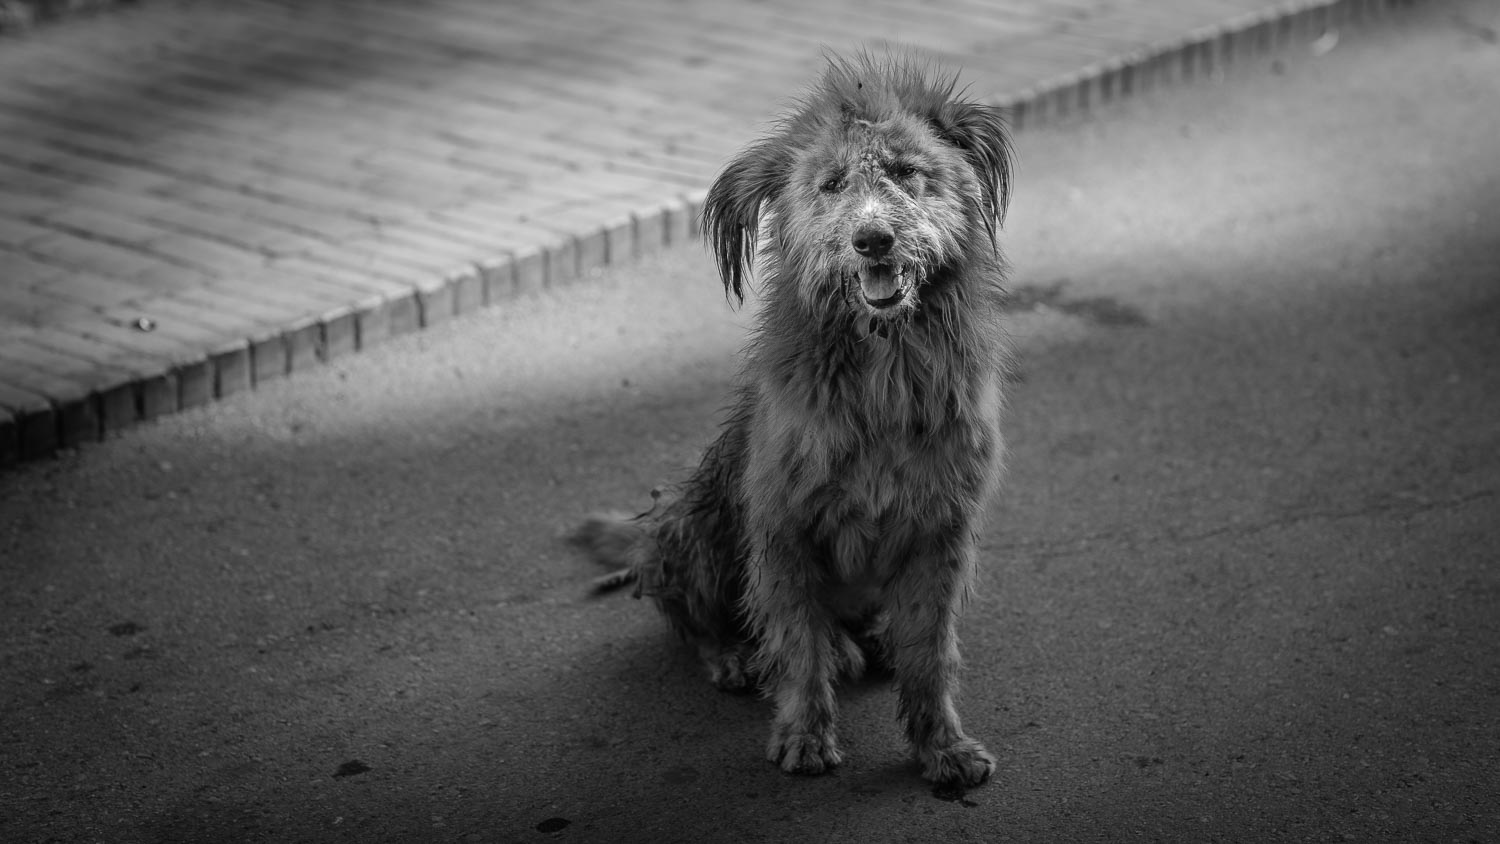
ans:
(835, 517)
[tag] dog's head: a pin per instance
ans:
(883, 178)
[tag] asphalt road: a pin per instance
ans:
(1243, 583)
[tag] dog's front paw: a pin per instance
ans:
(963, 763)
(803, 753)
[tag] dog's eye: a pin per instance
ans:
(832, 184)
(902, 170)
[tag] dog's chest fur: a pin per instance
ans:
(880, 442)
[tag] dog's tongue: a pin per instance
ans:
(879, 283)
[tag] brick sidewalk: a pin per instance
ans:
(198, 197)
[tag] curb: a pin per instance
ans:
(34, 426)
(1197, 55)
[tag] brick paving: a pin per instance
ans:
(197, 197)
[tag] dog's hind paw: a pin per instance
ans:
(726, 669)
(964, 763)
(803, 753)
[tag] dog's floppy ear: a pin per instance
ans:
(731, 213)
(979, 130)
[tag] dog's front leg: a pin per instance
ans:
(797, 656)
(922, 641)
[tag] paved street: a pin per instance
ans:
(1242, 584)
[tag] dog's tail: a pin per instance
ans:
(616, 541)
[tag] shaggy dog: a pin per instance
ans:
(835, 516)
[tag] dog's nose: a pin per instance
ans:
(874, 240)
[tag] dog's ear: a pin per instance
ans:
(980, 131)
(731, 213)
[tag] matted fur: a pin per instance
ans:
(841, 500)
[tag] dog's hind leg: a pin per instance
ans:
(922, 641)
(669, 559)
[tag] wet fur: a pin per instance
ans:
(836, 512)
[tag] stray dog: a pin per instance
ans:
(835, 516)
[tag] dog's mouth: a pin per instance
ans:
(885, 286)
